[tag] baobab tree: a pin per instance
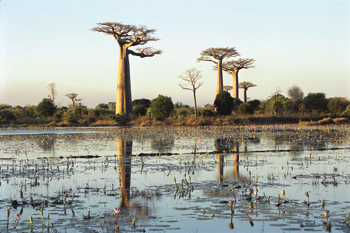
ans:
(191, 78)
(245, 85)
(127, 36)
(216, 55)
(73, 98)
(232, 68)
(227, 88)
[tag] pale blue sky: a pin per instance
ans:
(300, 42)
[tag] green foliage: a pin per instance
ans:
(7, 115)
(139, 110)
(102, 106)
(236, 103)
(254, 103)
(70, 116)
(223, 103)
(245, 108)
(315, 102)
(143, 102)
(161, 107)
(337, 105)
(46, 108)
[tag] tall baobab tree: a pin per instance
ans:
(73, 98)
(191, 78)
(216, 55)
(232, 68)
(245, 85)
(127, 36)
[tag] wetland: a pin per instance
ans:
(273, 178)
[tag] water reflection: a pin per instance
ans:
(162, 145)
(124, 152)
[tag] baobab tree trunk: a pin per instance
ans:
(124, 151)
(235, 93)
(244, 95)
(195, 102)
(220, 85)
(123, 101)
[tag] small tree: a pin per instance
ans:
(245, 86)
(295, 93)
(161, 107)
(46, 108)
(191, 77)
(227, 88)
(223, 103)
(52, 89)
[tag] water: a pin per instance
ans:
(134, 169)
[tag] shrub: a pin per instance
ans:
(236, 103)
(315, 102)
(223, 103)
(7, 115)
(246, 108)
(337, 105)
(139, 110)
(161, 107)
(143, 102)
(46, 108)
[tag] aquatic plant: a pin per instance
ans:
(322, 203)
(283, 194)
(308, 200)
(17, 218)
(31, 220)
(116, 212)
(328, 226)
(250, 208)
(8, 217)
(230, 203)
(326, 214)
(41, 210)
(133, 221)
(233, 193)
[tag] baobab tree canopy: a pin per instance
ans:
(232, 67)
(245, 85)
(216, 55)
(127, 36)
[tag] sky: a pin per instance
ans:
(303, 43)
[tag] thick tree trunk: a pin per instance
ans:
(244, 95)
(235, 92)
(220, 85)
(195, 102)
(124, 152)
(123, 101)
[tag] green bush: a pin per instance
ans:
(245, 108)
(337, 105)
(70, 116)
(7, 115)
(223, 103)
(236, 103)
(139, 110)
(315, 102)
(46, 108)
(143, 102)
(161, 107)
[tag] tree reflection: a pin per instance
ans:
(124, 152)
(162, 145)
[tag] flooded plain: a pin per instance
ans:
(175, 179)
